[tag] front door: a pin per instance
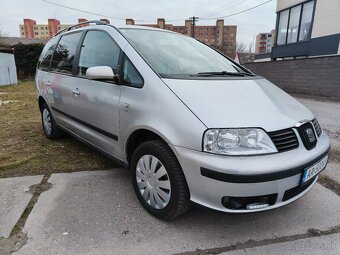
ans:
(96, 103)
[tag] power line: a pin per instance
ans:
(138, 20)
(236, 13)
(92, 13)
(229, 7)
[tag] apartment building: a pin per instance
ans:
(219, 36)
(30, 29)
(264, 42)
(307, 28)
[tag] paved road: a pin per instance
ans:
(98, 213)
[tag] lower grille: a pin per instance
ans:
(239, 203)
(284, 140)
(297, 190)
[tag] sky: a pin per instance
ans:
(258, 20)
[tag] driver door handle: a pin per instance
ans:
(76, 92)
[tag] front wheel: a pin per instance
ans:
(159, 181)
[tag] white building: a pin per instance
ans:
(264, 42)
(307, 28)
(8, 71)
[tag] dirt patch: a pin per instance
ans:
(24, 149)
(17, 238)
(12, 244)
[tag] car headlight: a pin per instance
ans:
(243, 141)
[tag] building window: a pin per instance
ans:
(295, 23)
(306, 21)
(23, 33)
(293, 28)
(282, 29)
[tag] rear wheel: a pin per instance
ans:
(159, 181)
(51, 130)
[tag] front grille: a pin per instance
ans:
(307, 135)
(297, 190)
(317, 127)
(237, 203)
(284, 140)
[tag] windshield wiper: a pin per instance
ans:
(223, 73)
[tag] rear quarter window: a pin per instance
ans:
(46, 54)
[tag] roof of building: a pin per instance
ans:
(6, 50)
(16, 40)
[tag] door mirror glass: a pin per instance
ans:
(100, 73)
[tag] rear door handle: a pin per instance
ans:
(76, 92)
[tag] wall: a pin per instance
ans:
(8, 72)
(326, 18)
(312, 77)
(284, 4)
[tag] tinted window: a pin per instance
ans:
(98, 49)
(46, 55)
(130, 74)
(64, 55)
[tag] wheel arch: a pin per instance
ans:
(138, 137)
(41, 101)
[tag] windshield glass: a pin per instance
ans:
(172, 54)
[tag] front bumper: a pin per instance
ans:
(250, 176)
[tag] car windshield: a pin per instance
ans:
(176, 55)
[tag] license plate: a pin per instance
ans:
(314, 170)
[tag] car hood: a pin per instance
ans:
(240, 102)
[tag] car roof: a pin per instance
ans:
(91, 26)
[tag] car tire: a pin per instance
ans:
(163, 176)
(51, 130)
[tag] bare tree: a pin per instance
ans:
(250, 46)
(241, 48)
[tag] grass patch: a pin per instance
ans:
(24, 149)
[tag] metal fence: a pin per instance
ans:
(8, 71)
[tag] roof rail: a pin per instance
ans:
(97, 22)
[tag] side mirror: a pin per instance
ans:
(100, 73)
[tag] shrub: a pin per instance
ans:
(26, 59)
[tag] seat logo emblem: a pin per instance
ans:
(310, 135)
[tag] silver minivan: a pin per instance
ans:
(191, 124)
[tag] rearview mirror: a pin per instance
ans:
(100, 73)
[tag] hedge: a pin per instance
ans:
(26, 59)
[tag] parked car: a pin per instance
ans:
(191, 124)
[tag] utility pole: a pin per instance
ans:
(193, 23)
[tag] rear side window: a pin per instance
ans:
(64, 54)
(98, 49)
(46, 54)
